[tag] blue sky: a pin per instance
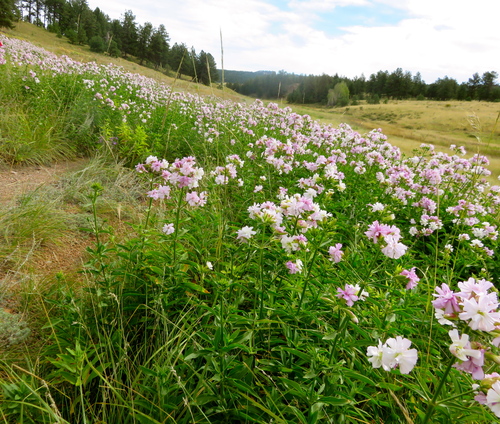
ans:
(350, 37)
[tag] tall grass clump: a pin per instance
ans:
(33, 221)
(278, 270)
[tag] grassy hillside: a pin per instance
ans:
(474, 125)
(209, 261)
(60, 46)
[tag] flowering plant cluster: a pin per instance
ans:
(394, 353)
(390, 236)
(476, 304)
(182, 173)
(274, 228)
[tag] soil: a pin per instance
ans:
(66, 257)
(16, 181)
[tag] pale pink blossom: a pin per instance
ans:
(168, 229)
(335, 253)
(412, 278)
(393, 249)
(493, 398)
(481, 311)
(351, 294)
(294, 267)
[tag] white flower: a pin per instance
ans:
(377, 207)
(493, 398)
(460, 346)
(400, 354)
(481, 312)
(246, 233)
(375, 354)
(439, 315)
(393, 353)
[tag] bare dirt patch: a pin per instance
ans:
(44, 261)
(15, 181)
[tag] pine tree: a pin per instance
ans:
(143, 41)
(206, 69)
(129, 34)
(7, 13)
(158, 47)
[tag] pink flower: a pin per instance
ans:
(473, 366)
(194, 199)
(412, 278)
(393, 249)
(335, 253)
(168, 229)
(377, 230)
(446, 299)
(294, 267)
(351, 294)
(164, 192)
(140, 168)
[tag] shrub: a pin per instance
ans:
(97, 44)
(72, 36)
(373, 99)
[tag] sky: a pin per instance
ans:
(437, 38)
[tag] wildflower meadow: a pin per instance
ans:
(279, 270)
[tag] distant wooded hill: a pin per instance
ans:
(239, 77)
(339, 90)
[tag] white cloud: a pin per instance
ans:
(437, 37)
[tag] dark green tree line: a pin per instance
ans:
(398, 84)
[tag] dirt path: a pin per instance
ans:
(48, 260)
(19, 180)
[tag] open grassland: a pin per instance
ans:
(216, 262)
(474, 125)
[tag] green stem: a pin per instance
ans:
(342, 326)
(176, 225)
(261, 271)
(306, 279)
(468, 392)
(432, 404)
